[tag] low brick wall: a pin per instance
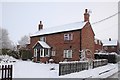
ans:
(76, 66)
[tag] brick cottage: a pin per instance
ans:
(62, 42)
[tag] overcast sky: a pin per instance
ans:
(22, 18)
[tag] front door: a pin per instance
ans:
(38, 54)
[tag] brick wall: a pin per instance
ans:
(57, 42)
(88, 38)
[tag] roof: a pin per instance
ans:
(109, 43)
(43, 44)
(63, 28)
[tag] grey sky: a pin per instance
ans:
(22, 18)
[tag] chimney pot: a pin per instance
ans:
(40, 22)
(109, 39)
(86, 10)
(40, 26)
(86, 15)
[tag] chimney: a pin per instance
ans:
(86, 15)
(40, 26)
(109, 39)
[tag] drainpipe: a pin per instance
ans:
(80, 40)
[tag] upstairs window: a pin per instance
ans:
(68, 36)
(43, 39)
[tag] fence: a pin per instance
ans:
(76, 66)
(6, 72)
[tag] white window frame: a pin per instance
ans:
(48, 53)
(35, 52)
(53, 53)
(67, 54)
(42, 54)
(68, 36)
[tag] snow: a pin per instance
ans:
(29, 69)
(66, 27)
(110, 43)
(112, 53)
(43, 44)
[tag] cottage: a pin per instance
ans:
(110, 45)
(62, 42)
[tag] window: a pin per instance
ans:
(35, 52)
(67, 53)
(44, 52)
(43, 39)
(53, 53)
(68, 36)
(41, 52)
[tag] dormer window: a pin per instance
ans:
(68, 36)
(43, 39)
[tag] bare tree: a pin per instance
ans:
(5, 42)
(24, 40)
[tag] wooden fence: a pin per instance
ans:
(6, 72)
(76, 66)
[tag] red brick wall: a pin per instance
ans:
(57, 42)
(88, 38)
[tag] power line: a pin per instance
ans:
(106, 18)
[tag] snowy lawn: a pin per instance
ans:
(28, 69)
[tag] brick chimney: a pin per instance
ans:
(86, 15)
(40, 26)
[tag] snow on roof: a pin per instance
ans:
(43, 44)
(66, 27)
(109, 43)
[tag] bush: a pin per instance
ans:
(10, 53)
(25, 54)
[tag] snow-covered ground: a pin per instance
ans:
(28, 69)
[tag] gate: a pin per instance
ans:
(6, 72)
